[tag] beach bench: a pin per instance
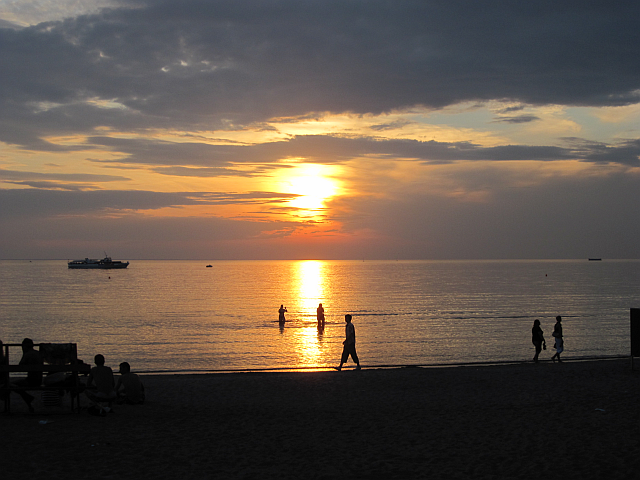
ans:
(57, 358)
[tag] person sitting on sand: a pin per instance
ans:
(34, 379)
(133, 389)
(349, 344)
(557, 334)
(103, 377)
(282, 311)
(537, 337)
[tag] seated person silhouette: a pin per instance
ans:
(104, 391)
(34, 379)
(4, 378)
(133, 389)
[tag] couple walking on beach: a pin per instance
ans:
(537, 337)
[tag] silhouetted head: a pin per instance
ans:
(536, 323)
(99, 359)
(125, 367)
(320, 305)
(27, 344)
(558, 319)
(347, 318)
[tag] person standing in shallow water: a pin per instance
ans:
(320, 315)
(557, 334)
(537, 337)
(281, 312)
(349, 344)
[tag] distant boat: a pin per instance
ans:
(595, 259)
(209, 266)
(104, 263)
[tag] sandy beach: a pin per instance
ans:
(575, 420)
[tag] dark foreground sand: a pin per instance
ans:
(577, 420)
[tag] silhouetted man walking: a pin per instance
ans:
(349, 344)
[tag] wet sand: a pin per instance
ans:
(576, 420)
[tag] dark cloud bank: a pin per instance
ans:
(211, 64)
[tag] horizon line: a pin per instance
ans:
(335, 259)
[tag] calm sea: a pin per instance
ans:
(183, 316)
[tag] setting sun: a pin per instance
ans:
(314, 184)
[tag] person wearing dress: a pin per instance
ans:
(557, 334)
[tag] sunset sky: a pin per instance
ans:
(326, 129)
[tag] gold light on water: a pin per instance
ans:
(311, 284)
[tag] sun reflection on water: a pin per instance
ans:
(311, 285)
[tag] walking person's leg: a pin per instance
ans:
(354, 356)
(345, 356)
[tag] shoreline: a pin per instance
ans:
(349, 366)
(578, 419)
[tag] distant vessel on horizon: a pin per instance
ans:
(103, 263)
(595, 259)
